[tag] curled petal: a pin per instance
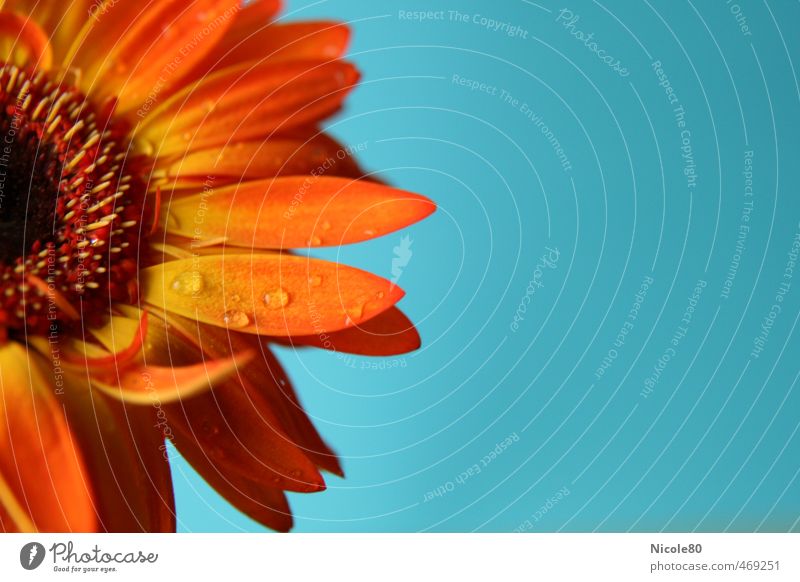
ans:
(123, 337)
(273, 294)
(144, 384)
(296, 212)
(23, 43)
(61, 22)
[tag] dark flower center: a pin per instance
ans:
(71, 205)
(27, 191)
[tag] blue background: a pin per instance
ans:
(714, 445)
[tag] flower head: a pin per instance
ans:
(158, 162)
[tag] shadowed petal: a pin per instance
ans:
(236, 425)
(227, 427)
(264, 504)
(262, 378)
(389, 334)
(126, 460)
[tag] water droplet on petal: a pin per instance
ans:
(325, 225)
(209, 428)
(354, 313)
(369, 232)
(315, 280)
(380, 294)
(314, 241)
(276, 299)
(188, 283)
(235, 318)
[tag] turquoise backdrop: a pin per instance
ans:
(608, 294)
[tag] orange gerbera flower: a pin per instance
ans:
(157, 160)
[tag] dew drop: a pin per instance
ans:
(325, 225)
(209, 428)
(354, 313)
(369, 232)
(276, 299)
(315, 280)
(314, 241)
(188, 283)
(235, 318)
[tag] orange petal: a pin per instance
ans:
(390, 333)
(277, 42)
(265, 505)
(273, 294)
(266, 383)
(136, 52)
(296, 212)
(126, 460)
(280, 416)
(227, 428)
(250, 160)
(44, 479)
(246, 103)
(123, 337)
(253, 16)
(7, 523)
(145, 384)
(60, 21)
(23, 43)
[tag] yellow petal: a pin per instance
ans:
(268, 294)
